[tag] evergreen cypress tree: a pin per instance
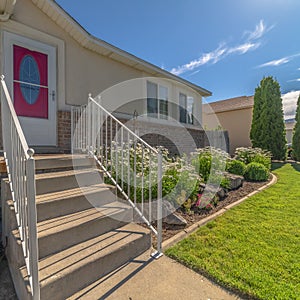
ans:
(268, 129)
(296, 135)
(256, 120)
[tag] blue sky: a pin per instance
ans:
(225, 46)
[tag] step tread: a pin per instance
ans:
(57, 265)
(59, 156)
(66, 173)
(65, 222)
(85, 190)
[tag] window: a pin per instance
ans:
(157, 100)
(163, 102)
(190, 110)
(182, 108)
(152, 105)
(186, 109)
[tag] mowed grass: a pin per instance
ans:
(253, 248)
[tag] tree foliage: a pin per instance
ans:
(267, 128)
(296, 135)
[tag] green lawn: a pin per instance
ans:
(255, 247)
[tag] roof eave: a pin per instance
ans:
(54, 11)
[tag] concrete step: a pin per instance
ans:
(61, 161)
(55, 204)
(66, 180)
(83, 232)
(69, 271)
(62, 232)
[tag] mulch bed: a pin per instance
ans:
(233, 196)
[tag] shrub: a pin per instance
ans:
(207, 159)
(249, 155)
(256, 172)
(236, 167)
(139, 169)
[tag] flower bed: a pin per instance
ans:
(232, 196)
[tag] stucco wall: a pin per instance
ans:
(84, 71)
(236, 122)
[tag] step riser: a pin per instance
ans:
(56, 208)
(54, 163)
(61, 240)
(65, 287)
(55, 184)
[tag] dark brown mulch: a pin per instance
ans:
(233, 196)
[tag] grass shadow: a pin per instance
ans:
(277, 165)
(296, 166)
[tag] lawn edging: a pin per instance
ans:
(187, 231)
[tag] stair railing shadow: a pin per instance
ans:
(143, 264)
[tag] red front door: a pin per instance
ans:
(30, 77)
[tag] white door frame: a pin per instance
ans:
(38, 132)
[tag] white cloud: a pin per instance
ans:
(260, 30)
(213, 57)
(244, 48)
(293, 80)
(289, 102)
(276, 62)
(222, 51)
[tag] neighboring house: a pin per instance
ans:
(233, 115)
(69, 63)
(289, 127)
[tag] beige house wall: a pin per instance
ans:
(236, 122)
(289, 135)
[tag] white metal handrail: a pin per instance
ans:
(130, 163)
(20, 166)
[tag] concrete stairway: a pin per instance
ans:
(80, 240)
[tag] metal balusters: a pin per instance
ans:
(129, 168)
(150, 189)
(118, 147)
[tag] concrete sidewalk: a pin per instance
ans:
(143, 278)
(149, 279)
(7, 291)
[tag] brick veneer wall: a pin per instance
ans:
(176, 139)
(64, 130)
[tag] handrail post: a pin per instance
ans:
(159, 202)
(158, 253)
(72, 129)
(89, 120)
(32, 221)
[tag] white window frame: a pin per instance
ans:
(184, 106)
(159, 100)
